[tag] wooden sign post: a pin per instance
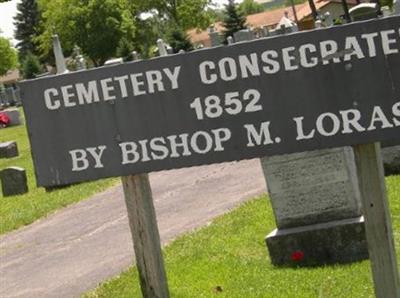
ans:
(145, 236)
(224, 104)
(378, 225)
(144, 230)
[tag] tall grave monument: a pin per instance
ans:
(316, 202)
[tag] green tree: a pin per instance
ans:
(8, 56)
(234, 20)
(26, 23)
(96, 26)
(31, 66)
(125, 49)
(185, 14)
(248, 7)
(178, 40)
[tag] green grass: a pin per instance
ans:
(231, 254)
(17, 211)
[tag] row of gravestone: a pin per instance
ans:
(10, 97)
(13, 179)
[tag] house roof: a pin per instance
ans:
(268, 18)
(10, 77)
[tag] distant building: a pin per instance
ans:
(10, 78)
(271, 18)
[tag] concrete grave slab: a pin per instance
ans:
(8, 149)
(13, 181)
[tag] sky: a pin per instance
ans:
(7, 12)
(9, 9)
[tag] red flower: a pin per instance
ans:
(4, 120)
(297, 255)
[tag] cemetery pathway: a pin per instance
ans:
(74, 249)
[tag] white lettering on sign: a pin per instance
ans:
(307, 55)
(80, 159)
(107, 89)
(174, 146)
(227, 69)
(348, 121)
(233, 104)
(261, 136)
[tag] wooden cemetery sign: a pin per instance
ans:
(304, 91)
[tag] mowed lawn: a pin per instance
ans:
(17, 211)
(229, 259)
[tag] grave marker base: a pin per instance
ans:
(341, 241)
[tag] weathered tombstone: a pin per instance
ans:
(245, 34)
(10, 96)
(315, 195)
(17, 95)
(286, 25)
(8, 149)
(391, 160)
(79, 59)
(396, 7)
(318, 24)
(14, 116)
(328, 19)
(13, 181)
(317, 207)
(59, 56)
(364, 11)
(214, 36)
(265, 31)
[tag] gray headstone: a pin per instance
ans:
(328, 19)
(14, 116)
(334, 242)
(13, 181)
(215, 39)
(241, 35)
(59, 56)
(162, 48)
(318, 24)
(265, 31)
(391, 160)
(135, 56)
(364, 11)
(313, 187)
(8, 149)
(396, 7)
(10, 96)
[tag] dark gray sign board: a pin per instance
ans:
(298, 92)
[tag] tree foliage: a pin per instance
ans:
(8, 56)
(248, 7)
(103, 27)
(178, 40)
(26, 23)
(185, 14)
(125, 49)
(234, 20)
(30, 66)
(96, 26)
